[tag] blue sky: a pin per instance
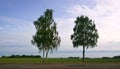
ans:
(17, 16)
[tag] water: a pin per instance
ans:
(91, 54)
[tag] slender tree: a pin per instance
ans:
(85, 33)
(46, 38)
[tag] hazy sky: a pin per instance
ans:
(17, 16)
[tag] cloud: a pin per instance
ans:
(109, 45)
(16, 31)
(9, 41)
(16, 23)
(65, 24)
(18, 50)
(106, 14)
(15, 36)
(101, 8)
(65, 29)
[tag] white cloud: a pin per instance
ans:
(65, 29)
(16, 24)
(8, 42)
(106, 14)
(65, 24)
(109, 45)
(102, 8)
(16, 32)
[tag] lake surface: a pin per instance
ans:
(91, 54)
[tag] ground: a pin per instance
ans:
(61, 66)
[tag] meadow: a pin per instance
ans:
(56, 60)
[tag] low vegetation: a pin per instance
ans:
(22, 56)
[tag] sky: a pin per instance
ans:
(17, 29)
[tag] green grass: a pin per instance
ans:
(100, 60)
(56, 60)
(20, 60)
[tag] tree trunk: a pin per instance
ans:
(43, 53)
(46, 54)
(83, 59)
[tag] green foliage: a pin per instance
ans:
(85, 33)
(46, 37)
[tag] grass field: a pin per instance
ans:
(56, 60)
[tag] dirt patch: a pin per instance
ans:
(59, 66)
